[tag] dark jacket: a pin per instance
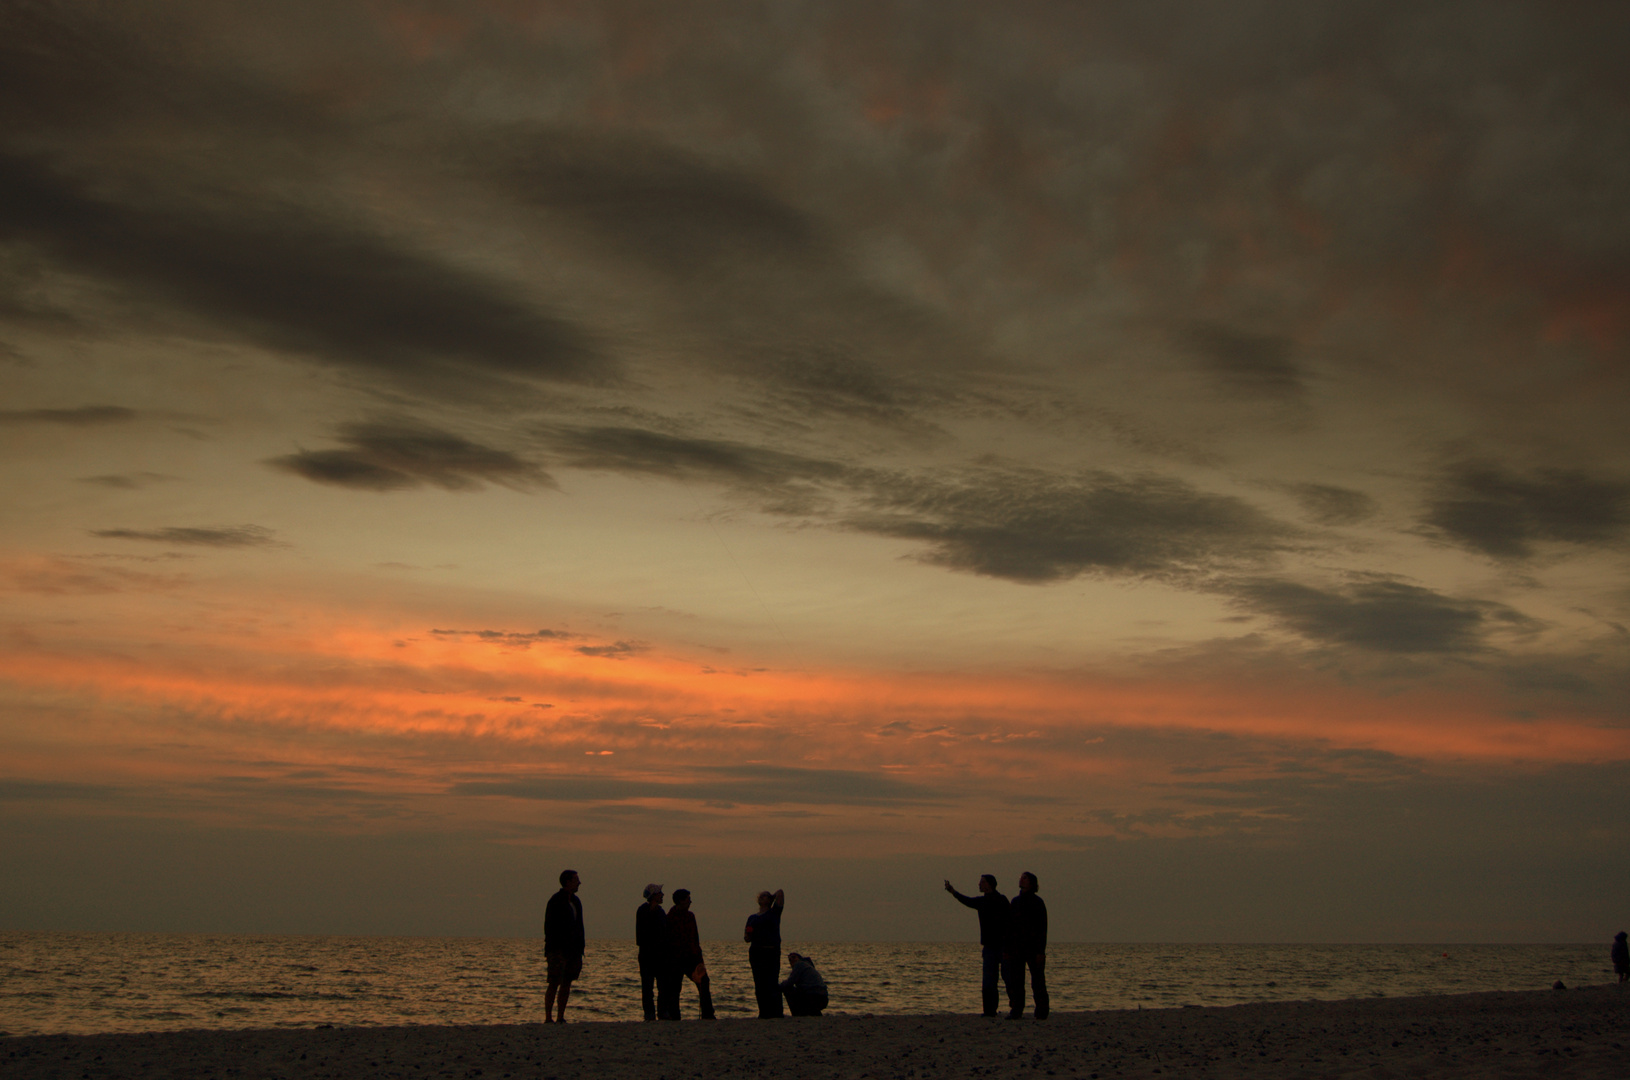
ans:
(1029, 925)
(994, 917)
(651, 933)
(684, 938)
(1620, 954)
(563, 924)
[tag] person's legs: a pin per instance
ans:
(766, 965)
(668, 994)
(1038, 985)
(565, 992)
(1013, 980)
(704, 992)
(991, 965)
(648, 974)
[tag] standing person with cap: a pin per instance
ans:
(1027, 947)
(687, 953)
(655, 955)
(994, 917)
(562, 945)
(1621, 956)
(763, 937)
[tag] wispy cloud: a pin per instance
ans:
(394, 457)
(82, 416)
(1494, 511)
(1381, 615)
(229, 536)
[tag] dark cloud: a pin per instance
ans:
(294, 280)
(226, 537)
(1380, 615)
(126, 481)
(1037, 528)
(754, 785)
(83, 416)
(1258, 365)
(660, 203)
(519, 639)
(639, 450)
(1331, 505)
(617, 650)
(393, 457)
(1492, 510)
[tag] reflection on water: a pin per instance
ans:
(161, 982)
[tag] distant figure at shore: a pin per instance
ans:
(995, 918)
(687, 954)
(763, 937)
(1027, 947)
(656, 958)
(804, 987)
(1621, 956)
(563, 943)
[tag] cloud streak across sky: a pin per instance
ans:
(1059, 429)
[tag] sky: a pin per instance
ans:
(1177, 449)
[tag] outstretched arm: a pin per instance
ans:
(779, 901)
(966, 901)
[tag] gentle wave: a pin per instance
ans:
(88, 982)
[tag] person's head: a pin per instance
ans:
(682, 898)
(653, 893)
(765, 898)
(569, 881)
(987, 883)
(793, 958)
(1620, 936)
(1028, 882)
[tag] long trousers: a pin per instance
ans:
(765, 960)
(1038, 983)
(992, 967)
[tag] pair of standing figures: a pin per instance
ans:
(1012, 937)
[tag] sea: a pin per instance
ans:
(83, 983)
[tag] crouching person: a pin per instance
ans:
(804, 988)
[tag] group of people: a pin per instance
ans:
(670, 951)
(1012, 937)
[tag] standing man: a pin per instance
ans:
(763, 937)
(562, 945)
(1621, 956)
(994, 917)
(1028, 946)
(655, 955)
(687, 953)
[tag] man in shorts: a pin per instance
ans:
(562, 945)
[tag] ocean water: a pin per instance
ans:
(91, 982)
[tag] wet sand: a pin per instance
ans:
(1568, 1033)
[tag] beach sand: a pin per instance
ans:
(1569, 1033)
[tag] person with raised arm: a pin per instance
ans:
(763, 937)
(994, 920)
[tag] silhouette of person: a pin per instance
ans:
(562, 945)
(1027, 946)
(994, 919)
(1621, 956)
(687, 953)
(804, 987)
(656, 958)
(763, 937)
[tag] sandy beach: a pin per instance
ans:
(1579, 1033)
